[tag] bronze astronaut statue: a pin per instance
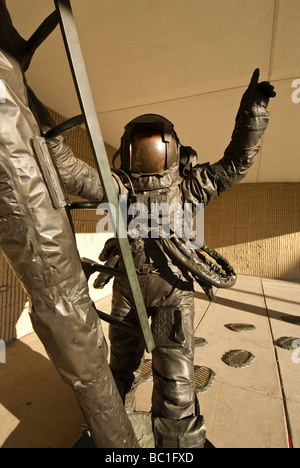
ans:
(38, 242)
(156, 168)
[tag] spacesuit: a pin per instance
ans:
(38, 242)
(156, 168)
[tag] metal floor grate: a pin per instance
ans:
(204, 378)
(288, 342)
(238, 358)
(200, 342)
(240, 327)
(146, 371)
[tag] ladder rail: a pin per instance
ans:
(81, 82)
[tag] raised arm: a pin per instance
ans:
(206, 182)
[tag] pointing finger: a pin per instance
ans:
(255, 77)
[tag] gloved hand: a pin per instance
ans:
(110, 255)
(256, 95)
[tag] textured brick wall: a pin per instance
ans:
(257, 228)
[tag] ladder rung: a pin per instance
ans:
(86, 205)
(90, 267)
(65, 126)
(120, 323)
(44, 30)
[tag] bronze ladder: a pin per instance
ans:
(63, 15)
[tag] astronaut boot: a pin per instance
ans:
(183, 433)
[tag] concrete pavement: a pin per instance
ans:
(257, 406)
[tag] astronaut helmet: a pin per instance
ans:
(149, 146)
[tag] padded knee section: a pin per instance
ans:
(173, 369)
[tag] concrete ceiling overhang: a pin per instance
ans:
(189, 60)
